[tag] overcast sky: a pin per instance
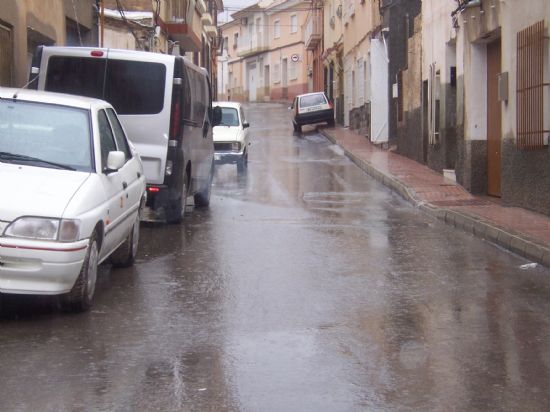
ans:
(233, 5)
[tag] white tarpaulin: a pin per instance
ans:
(379, 92)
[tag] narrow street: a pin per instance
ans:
(306, 286)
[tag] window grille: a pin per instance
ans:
(360, 82)
(293, 70)
(434, 104)
(530, 88)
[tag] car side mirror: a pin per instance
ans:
(245, 125)
(115, 160)
(217, 116)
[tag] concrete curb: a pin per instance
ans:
(514, 242)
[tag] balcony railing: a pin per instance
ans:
(250, 45)
(313, 32)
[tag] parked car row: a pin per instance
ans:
(111, 137)
(165, 105)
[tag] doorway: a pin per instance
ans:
(494, 120)
(252, 82)
(267, 83)
(285, 78)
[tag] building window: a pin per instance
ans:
(235, 40)
(293, 70)
(226, 44)
(277, 29)
(276, 73)
(434, 104)
(361, 82)
(293, 23)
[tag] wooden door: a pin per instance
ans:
(5, 57)
(494, 120)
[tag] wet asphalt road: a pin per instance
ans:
(307, 286)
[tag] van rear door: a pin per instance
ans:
(141, 92)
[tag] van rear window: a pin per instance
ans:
(132, 87)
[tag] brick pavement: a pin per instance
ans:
(518, 230)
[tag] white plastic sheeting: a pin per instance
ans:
(379, 92)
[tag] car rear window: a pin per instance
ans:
(312, 100)
(132, 87)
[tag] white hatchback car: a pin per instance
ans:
(231, 136)
(73, 187)
(311, 108)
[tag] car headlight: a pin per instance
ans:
(42, 228)
(235, 146)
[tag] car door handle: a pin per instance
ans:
(124, 185)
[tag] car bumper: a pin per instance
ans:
(38, 267)
(227, 157)
(315, 117)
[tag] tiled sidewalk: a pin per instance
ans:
(521, 231)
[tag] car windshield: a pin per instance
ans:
(230, 117)
(45, 135)
(312, 100)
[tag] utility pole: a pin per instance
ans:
(102, 22)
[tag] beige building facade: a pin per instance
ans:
(179, 27)
(363, 66)
(332, 55)
(26, 24)
(264, 56)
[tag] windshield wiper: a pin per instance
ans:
(19, 157)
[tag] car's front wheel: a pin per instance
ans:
(242, 163)
(80, 298)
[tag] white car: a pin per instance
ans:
(73, 187)
(231, 136)
(311, 108)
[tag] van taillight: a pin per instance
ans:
(330, 104)
(96, 53)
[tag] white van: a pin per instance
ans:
(165, 105)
